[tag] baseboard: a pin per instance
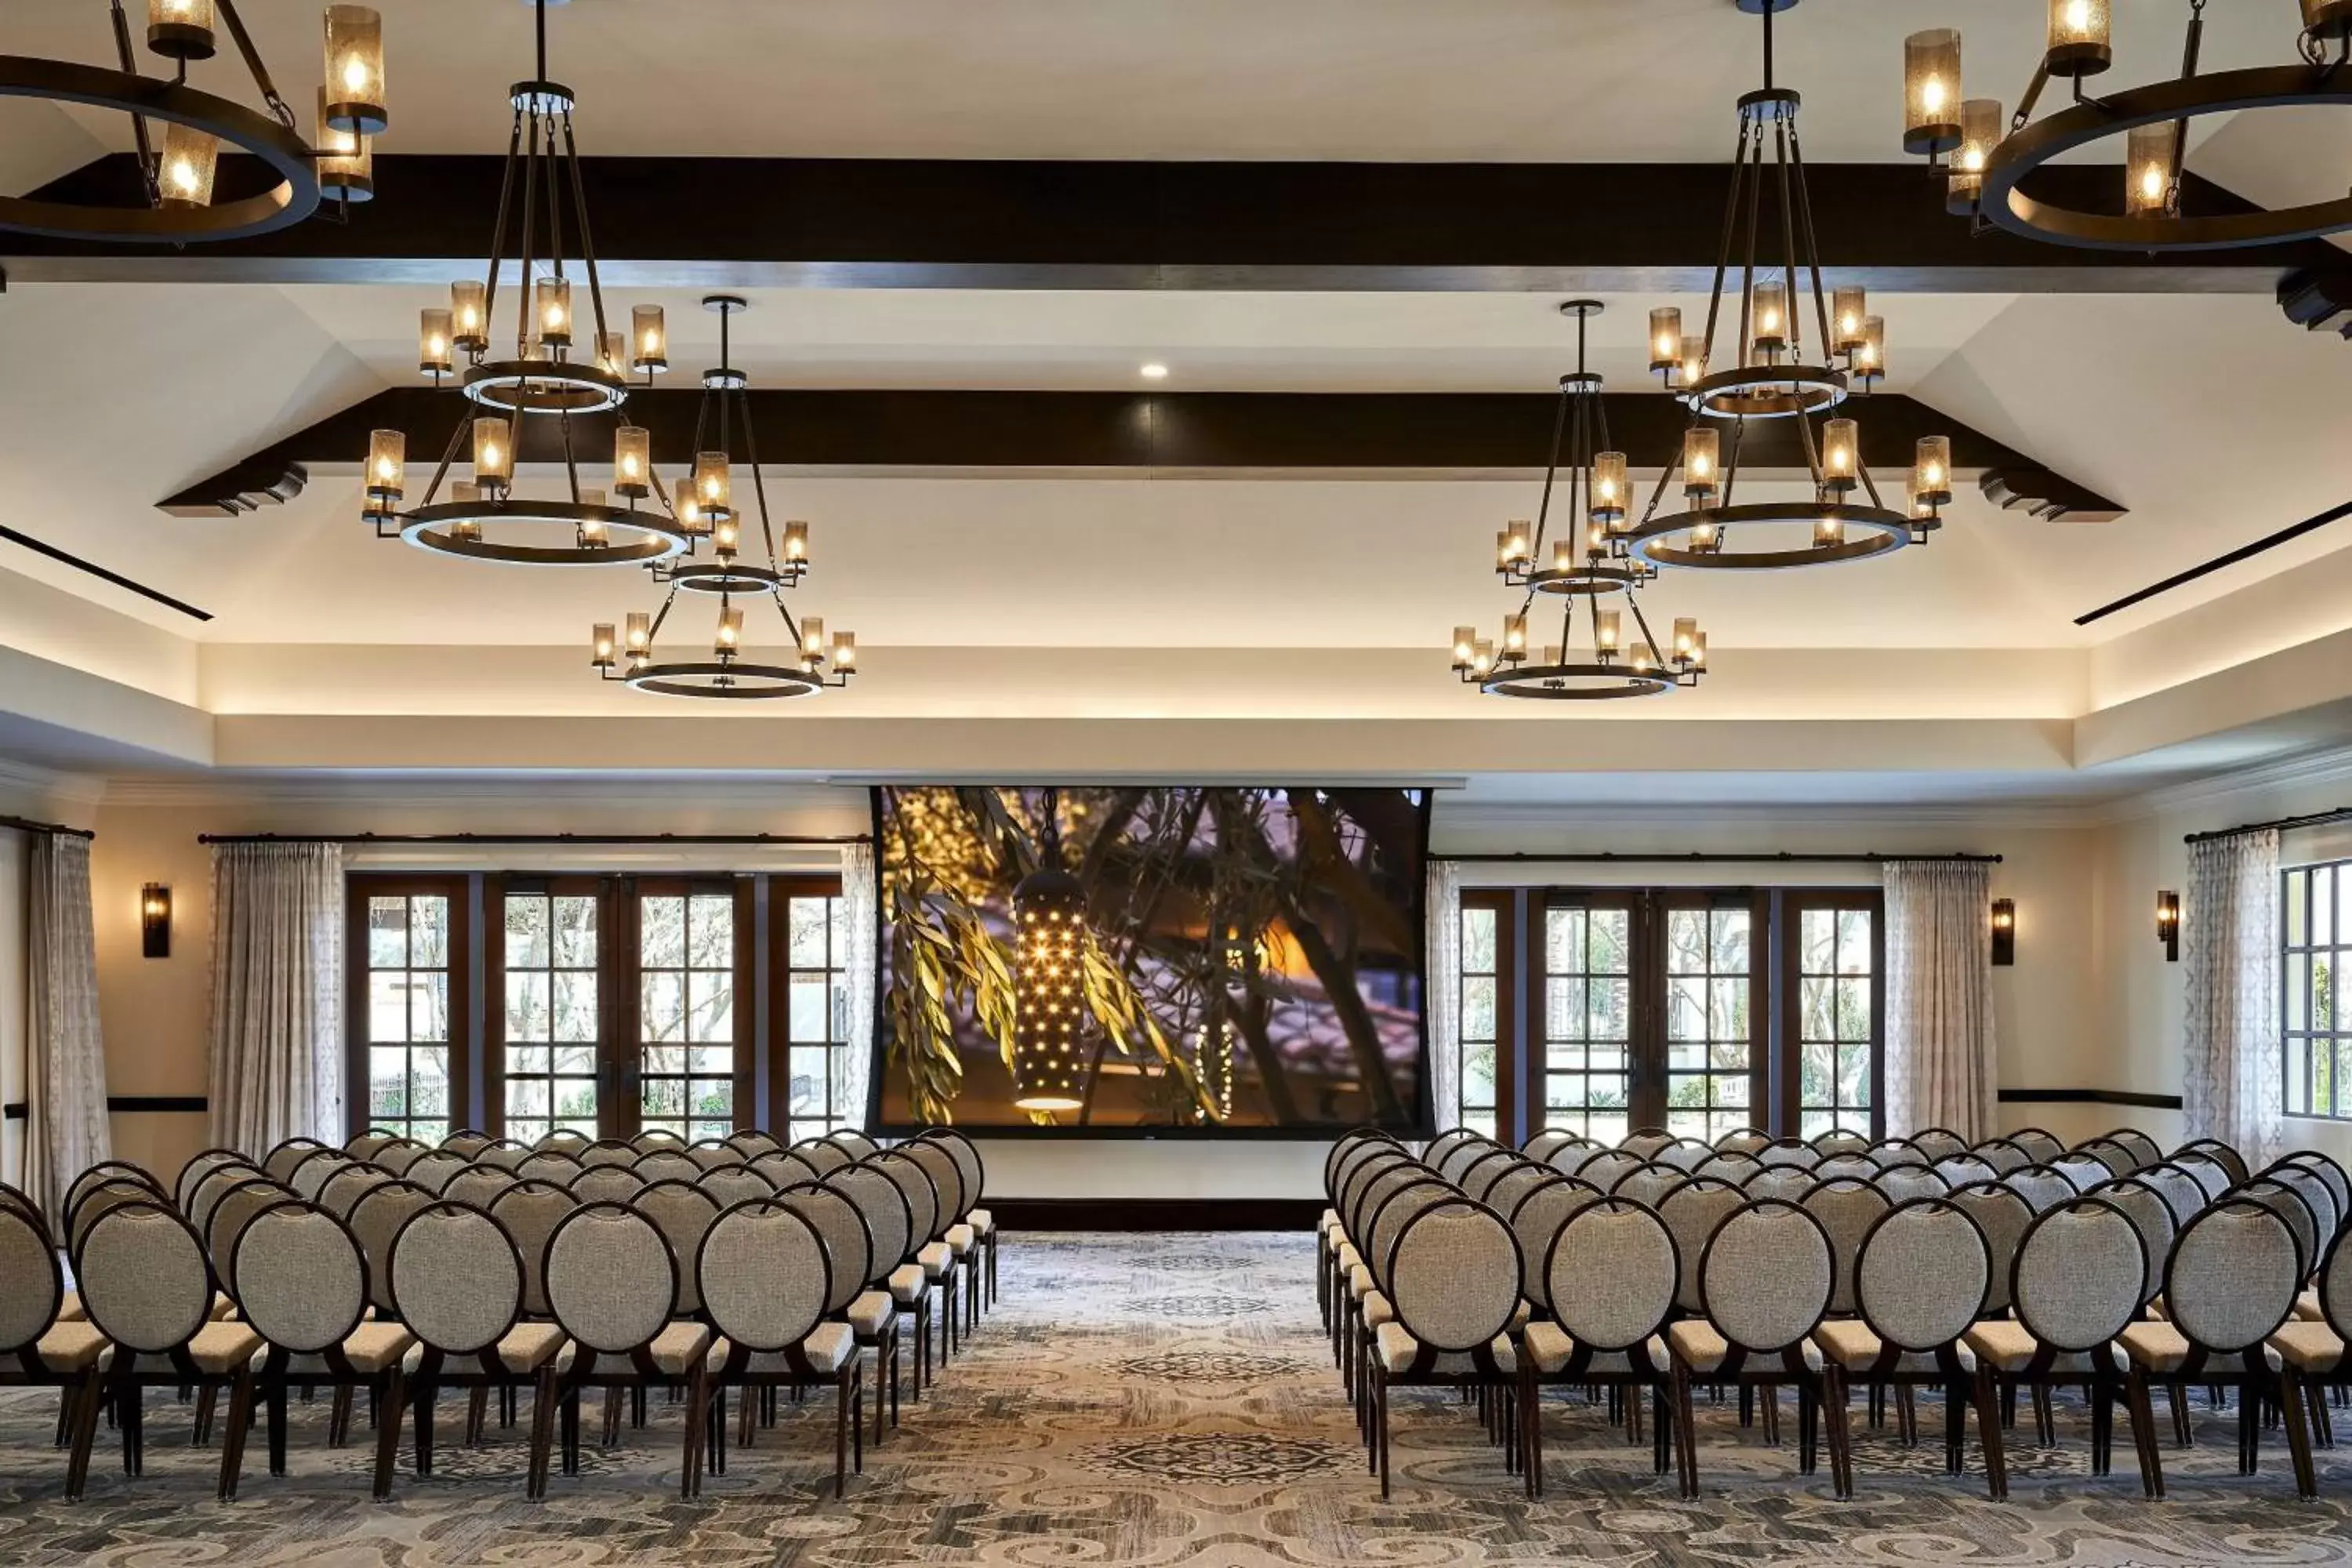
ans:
(1153, 1215)
(2090, 1097)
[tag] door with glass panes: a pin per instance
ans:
(1649, 1013)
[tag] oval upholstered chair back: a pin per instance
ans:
(1647, 1185)
(1606, 1168)
(2042, 1186)
(456, 1279)
(1766, 1275)
(611, 1279)
(1359, 1181)
(1613, 1274)
(375, 1219)
(528, 1213)
(2085, 1171)
(1786, 1182)
(2147, 1210)
(107, 1171)
(922, 1198)
(1524, 1176)
(1744, 1141)
(2119, 1158)
(826, 1157)
(184, 1191)
(1842, 1141)
(1732, 1165)
(32, 1285)
(233, 1212)
(1692, 1213)
(1897, 1152)
(2220, 1153)
(856, 1145)
(609, 1151)
(556, 1166)
(765, 1276)
(346, 1187)
(1938, 1143)
(653, 1138)
(841, 1228)
(1453, 1277)
(732, 1184)
(2003, 1154)
(605, 1184)
(2233, 1277)
(1790, 1151)
(668, 1162)
(1344, 1155)
(1686, 1154)
(279, 1163)
(1923, 1275)
(480, 1185)
(970, 1166)
(299, 1278)
(683, 1213)
(1962, 1169)
(1901, 1183)
(1536, 1216)
(145, 1282)
(1461, 1156)
(1846, 1209)
(2039, 1145)
(2294, 1209)
(101, 1197)
(1540, 1147)
(2328, 1216)
(946, 1176)
(2327, 1171)
(1483, 1172)
(2002, 1217)
(1645, 1142)
(884, 1207)
(312, 1176)
(1384, 1221)
(435, 1168)
(2334, 1286)
(2182, 1192)
(2077, 1277)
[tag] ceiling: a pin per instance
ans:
(1099, 595)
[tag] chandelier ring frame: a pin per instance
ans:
(1884, 532)
(1611, 682)
(1768, 392)
(543, 386)
(727, 577)
(427, 529)
(702, 678)
(2023, 153)
(1587, 581)
(294, 198)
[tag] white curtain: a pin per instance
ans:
(1443, 918)
(2232, 1084)
(1939, 1028)
(277, 994)
(65, 1056)
(854, 1062)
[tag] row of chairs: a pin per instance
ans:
(317, 1266)
(1658, 1277)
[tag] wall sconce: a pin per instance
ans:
(2168, 924)
(2004, 931)
(156, 921)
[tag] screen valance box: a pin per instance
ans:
(1175, 960)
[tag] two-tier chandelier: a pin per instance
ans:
(1583, 560)
(703, 507)
(1985, 159)
(558, 367)
(176, 201)
(1754, 362)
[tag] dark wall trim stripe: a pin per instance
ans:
(1155, 1213)
(13, 1112)
(157, 1103)
(102, 574)
(2090, 1097)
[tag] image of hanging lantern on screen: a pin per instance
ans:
(1049, 1064)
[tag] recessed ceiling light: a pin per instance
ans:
(1155, 371)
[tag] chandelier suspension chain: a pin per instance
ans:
(148, 163)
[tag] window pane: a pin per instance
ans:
(711, 1010)
(526, 931)
(428, 1008)
(809, 925)
(387, 932)
(664, 930)
(574, 922)
(807, 1019)
(664, 1006)
(1477, 1008)
(1478, 941)
(428, 932)
(710, 930)
(527, 1012)
(388, 1006)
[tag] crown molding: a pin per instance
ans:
(1455, 821)
(2326, 767)
(79, 789)
(699, 794)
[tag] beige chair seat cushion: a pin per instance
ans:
(1398, 1350)
(218, 1350)
(69, 1309)
(2311, 1347)
(2157, 1347)
(936, 1257)
(907, 1283)
(826, 1350)
(2306, 1307)
(370, 1348)
(1852, 1343)
(870, 1314)
(1697, 1345)
(1349, 1259)
(2011, 1347)
(526, 1348)
(983, 1223)
(1376, 1310)
(962, 1239)
(71, 1347)
(1327, 1223)
(677, 1347)
(223, 1308)
(1550, 1347)
(1359, 1282)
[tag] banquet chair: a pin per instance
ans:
(39, 1347)
(1685, 1154)
(653, 1138)
(557, 1166)
(848, 1243)
(1645, 1142)
(912, 1281)
(2042, 1186)
(436, 1169)
(344, 1189)
(281, 1161)
(605, 1184)
(2308, 1356)
(467, 1143)
(751, 1143)
(764, 1279)
(107, 1172)
(478, 1186)
(613, 1289)
(1841, 1141)
(1901, 1183)
(1571, 1158)
(457, 1283)
(667, 1163)
(398, 1155)
(1607, 1283)
(1785, 1182)
(1605, 1168)
(710, 1153)
(301, 1281)
(731, 1184)
(1764, 1283)
(2220, 1153)
(1743, 1141)
(363, 1146)
(1647, 1184)
(504, 1153)
(1854, 1167)
(375, 1221)
(2002, 1217)
(608, 1151)
(237, 1210)
(1388, 1209)
(2181, 1191)
(2003, 1154)
(566, 1140)
(1538, 1148)
(1790, 1151)
(1897, 1152)
(826, 1157)
(2039, 1143)
(198, 1167)
(873, 1315)
(1938, 1143)
(2084, 1171)
(980, 1258)
(1454, 1279)
(312, 1174)
(2119, 1158)
(1730, 1166)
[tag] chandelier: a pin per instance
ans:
(558, 367)
(1585, 563)
(703, 506)
(176, 204)
(1985, 159)
(1753, 362)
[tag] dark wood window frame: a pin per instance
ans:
(2307, 964)
(782, 890)
(1511, 1089)
(1788, 1070)
(358, 1023)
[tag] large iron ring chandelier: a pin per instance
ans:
(1582, 561)
(703, 506)
(1753, 361)
(1986, 161)
(559, 367)
(176, 179)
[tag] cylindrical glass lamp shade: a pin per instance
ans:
(1770, 321)
(1931, 90)
(2078, 43)
(1707, 538)
(387, 464)
(1840, 455)
(355, 95)
(1605, 632)
(1698, 651)
(639, 632)
(1931, 470)
(845, 652)
(1563, 555)
(1981, 132)
(731, 632)
(1693, 366)
(1665, 337)
(550, 311)
(1552, 655)
(470, 317)
(1828, 533)
(1870, 359)
(724, 538)
(812, 638)
(714, 485)
(1702, 462)
(435, 347)
(692, 520)
(493, 454)
(2327, 20)
(612, 355)
(1850, 307)
(1685, 634)
(648, 340)
(181, 29)
(1482, 658)
(796, 546)
(1610, 487)
(1515, 636)
(1466, 644)
(2148, 170)
(1505, 550)
(1049, 1057)
(593, 534)
(600, 646)
(346, 163)
(185, 175)
(632, 461)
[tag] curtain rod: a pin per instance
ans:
(2308, 819)
(1709, 857)
(25, 824)
(549, 838)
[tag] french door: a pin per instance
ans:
(1650, 1011)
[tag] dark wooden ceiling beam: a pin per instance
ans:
(855, 223)
(1201, 432)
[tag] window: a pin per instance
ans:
(1587, 1017)
(2316, 1028)
(1484, 944)
(688, 1025)
(551, 1023)
(408, 970)
(811, 948)
(1711, 1054)
(1833, 1029)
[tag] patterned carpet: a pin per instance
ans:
(1155, 1402)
